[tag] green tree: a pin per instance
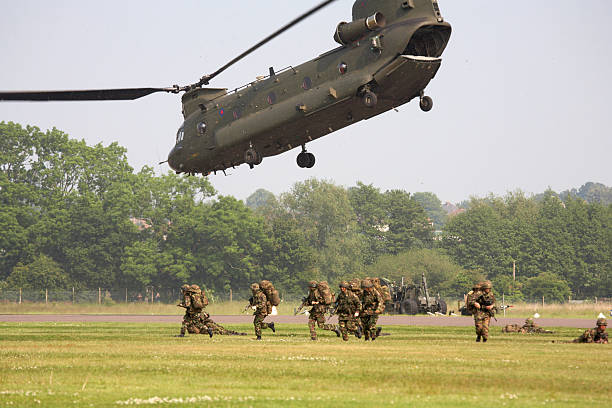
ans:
(408, 224)
(42, 273)
(433, 207)
(547, 285)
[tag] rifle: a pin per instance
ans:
(487, 302)
(247, 307)
(299, 309)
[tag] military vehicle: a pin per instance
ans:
(388, 54)
(412, 299)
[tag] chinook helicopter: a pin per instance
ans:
(387, 55)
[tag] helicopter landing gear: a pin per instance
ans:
(426, 103)
(252, 157)
(305, 159)
(369, 99)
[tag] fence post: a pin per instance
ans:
(503, 303)
(231, 295)
(19, 295)
(542, 301)
(125, 295)
(99, 296)
(46, 296)
(73, 295)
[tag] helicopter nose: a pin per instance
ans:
(174, 158)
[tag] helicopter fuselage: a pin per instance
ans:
(385, 67)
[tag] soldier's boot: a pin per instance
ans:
(258, 338)
(210, 332)
(358, 333)
(478, 338)
(313, 338)
(367, 335)
(378, 330)
(182, 333)
(345, 337)
(484, 339)
(337, 331)
(271, 326)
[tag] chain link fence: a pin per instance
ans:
(99, 296)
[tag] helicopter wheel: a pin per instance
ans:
(305, 160)
(252, 157)
(369, 99)
(426, 103)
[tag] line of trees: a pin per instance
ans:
(73, 215)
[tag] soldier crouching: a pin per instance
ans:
(347, 308)
(259, 303)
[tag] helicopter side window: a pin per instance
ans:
(307, 83)
(201, 128)
(180, 134)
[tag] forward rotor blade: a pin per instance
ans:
(83, 95)
(206, 78)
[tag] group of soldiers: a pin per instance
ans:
(358, 305)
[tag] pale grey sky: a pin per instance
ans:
(520, 102)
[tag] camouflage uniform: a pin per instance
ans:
(192, 320)
(596, 335)
(259, 301)
(482, 317)
(529, 327)
(471, 297)
(347, 304)
(371, 306)
(317, 313)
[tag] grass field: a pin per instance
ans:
(587, 310)
(112, 364)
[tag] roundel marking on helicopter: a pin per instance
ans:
(342, 67)
(221, 112)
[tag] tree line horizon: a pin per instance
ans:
(68, 212)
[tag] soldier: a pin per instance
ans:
(471, 296)
(347, 308)
(259, 303)
(529, 327)
(596, 335)
(485, 309)
(193, 302)
(317, 313)
(371, 306)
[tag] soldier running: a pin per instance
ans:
(259, 303)
(317, 313)
(596, 335)
(347, 308)
(485, 309)
(371, 307)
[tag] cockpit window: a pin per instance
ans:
(201, 128)
(180, 134)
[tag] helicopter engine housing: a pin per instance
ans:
(347, 33)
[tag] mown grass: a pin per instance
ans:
(112, 364)
(566, 310)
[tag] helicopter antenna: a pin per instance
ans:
(206, 78)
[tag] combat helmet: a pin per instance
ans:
(195, 288)
(602, 322)
(185, 288)
(529, 321)
(486, 285)
(312, 284)
(255, 286)
(476, 286)
(366, 283)
(344, 284)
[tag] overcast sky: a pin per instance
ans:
(520, 101)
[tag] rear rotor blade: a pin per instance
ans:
(83, 95)
(206, 78)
